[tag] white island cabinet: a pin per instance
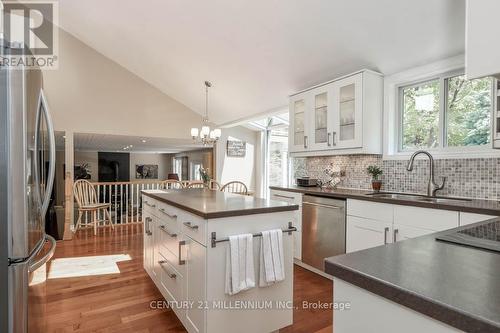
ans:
(189, 268)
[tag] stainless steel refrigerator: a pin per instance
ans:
(27, 165)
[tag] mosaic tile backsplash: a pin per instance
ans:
(470, 178)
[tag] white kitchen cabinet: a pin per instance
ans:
(365, 233)
(320, 119)
(296, 199)
(348, 112)
(177, 253)
(404, 232)
(343, 116)
(482, 49)
(371, 224)
(470, 218)
(195, 288)
(425, 218)
(299, 122)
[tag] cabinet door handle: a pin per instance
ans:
(329, 135)
(164, 212)
(190, 226)
(386, 231)
(334, 134)
(181, 262)
(162, 227)
(170, 275)
(395, 235)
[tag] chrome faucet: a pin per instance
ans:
(432, 187)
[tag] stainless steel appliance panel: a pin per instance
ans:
(323, 229)
(29, 175)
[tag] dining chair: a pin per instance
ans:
(235, 187)
(214, 185)
(171, 184)
(196, 184)
(86, 198)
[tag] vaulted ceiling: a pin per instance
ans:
(256, 53)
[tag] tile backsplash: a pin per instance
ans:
(471, 178)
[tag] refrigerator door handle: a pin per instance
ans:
(40, 262)
(42, 106)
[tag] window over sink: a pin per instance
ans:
(445, 113)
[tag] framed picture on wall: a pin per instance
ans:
(146, 171)
(236, 148)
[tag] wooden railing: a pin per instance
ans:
(125, 200)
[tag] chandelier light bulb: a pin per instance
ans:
(194, 132)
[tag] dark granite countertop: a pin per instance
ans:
(488, 207)
(215, 204)
(454, 284)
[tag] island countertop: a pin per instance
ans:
(454, 284)
(215, 204)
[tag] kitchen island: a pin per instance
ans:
(185, 245)
(418, 285)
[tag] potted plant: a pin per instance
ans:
(375, 172)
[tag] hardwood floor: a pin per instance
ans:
(98, 284)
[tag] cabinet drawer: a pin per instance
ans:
(290, 197)
(170, 279)
(169, 214)
(425, 218)
(366, 233)
(194, 227)
(173, 256)
(469, 218)
(150, 205)
(169, 236)
(370, 210)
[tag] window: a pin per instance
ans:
(275, 162)
(278, 157)
(448, 111)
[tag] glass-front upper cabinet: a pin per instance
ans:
(321, 114)
(348, 111)
(299, 134)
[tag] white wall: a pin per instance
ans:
(238, 168)
(164, 162)
(90, 93)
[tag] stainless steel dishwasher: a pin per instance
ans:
(323, 229)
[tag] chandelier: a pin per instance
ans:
(205, 135)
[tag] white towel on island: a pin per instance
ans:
(240, 272)
(272, 265)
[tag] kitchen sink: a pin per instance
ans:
(416, 197)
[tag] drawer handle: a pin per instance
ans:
(283, 196)
(164, 212)
(328, 139)
(148, 204)
(190, 226)
(386, 231)
(170, 275)
(162, 227)
(181, 262)
(395, 235)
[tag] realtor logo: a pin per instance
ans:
(30, 34)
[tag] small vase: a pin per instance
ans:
(376, 185)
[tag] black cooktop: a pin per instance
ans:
(484, 236)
